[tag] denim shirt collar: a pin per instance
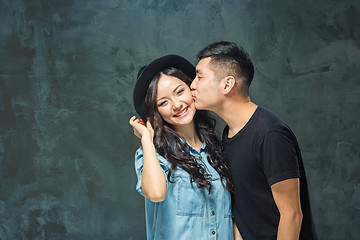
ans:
(202, 149)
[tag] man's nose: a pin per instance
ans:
(193, 84)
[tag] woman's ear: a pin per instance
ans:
(228, 84)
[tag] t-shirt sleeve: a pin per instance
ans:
(279, 157)
(164, 164)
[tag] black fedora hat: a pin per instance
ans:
(148, 72)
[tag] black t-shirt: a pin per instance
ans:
(264, 152)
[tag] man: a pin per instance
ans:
(270, 198)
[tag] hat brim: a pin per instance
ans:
(147, 73)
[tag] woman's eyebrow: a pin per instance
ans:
(173, 92)
(177, 87)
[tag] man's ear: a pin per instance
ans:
(228, 84)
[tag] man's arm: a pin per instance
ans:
(287, 198)
(237, 235)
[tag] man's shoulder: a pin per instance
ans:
(267, 114)
(261, 123)
(269, 120)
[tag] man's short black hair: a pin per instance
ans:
(228, 56)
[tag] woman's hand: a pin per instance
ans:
(140, 128)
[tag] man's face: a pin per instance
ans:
(206, 88)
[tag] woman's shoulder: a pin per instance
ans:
(139, 156)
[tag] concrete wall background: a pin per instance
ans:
(66, 77)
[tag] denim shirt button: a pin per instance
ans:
(200, 157)
(213, 213)
(213, 232)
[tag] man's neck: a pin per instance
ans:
(236, 113)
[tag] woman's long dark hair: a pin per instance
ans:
(169, 145)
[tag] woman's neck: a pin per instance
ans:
(188, 133)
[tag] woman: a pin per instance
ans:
(180, 167)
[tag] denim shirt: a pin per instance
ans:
(188, 212)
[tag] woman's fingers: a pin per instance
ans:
(148, 125)
(150, 129)
(133, 120)
(139, 126)
(141, 121)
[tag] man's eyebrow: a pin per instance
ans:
(198, 71)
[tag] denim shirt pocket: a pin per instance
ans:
(227, 205)
(190, 199)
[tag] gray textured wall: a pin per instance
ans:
(66, 76)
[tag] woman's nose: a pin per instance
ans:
(177, 105)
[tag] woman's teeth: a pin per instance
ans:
(181, 113)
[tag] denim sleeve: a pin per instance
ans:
(164, 164)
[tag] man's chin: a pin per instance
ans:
(199, 107)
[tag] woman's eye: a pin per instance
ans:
(162, 104)
(181, 91)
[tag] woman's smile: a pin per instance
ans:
(175, 103)
(182, 113)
